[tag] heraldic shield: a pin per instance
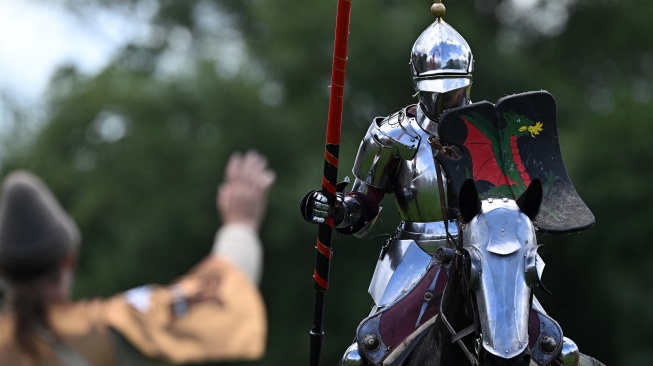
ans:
(504, 147)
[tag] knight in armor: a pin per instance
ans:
(397, 156)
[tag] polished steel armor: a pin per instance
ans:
(396, 156)
(441, 59)
(386, 140)
(570, 355)
(502, 247)
(352, 357)
(399, 144)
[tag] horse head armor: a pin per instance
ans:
(500, 241)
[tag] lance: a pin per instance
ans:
(330, 175)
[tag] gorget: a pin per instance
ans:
(427, 124)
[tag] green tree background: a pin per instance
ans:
(136, 151)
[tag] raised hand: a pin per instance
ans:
(242, 197)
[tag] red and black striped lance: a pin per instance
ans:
(330, 174)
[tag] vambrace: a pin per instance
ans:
(355, 213)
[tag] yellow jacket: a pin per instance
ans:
(213, 313)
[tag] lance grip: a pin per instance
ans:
(330, 174)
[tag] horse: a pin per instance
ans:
(484, 311)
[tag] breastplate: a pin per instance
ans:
(415, 186)
(406, 256)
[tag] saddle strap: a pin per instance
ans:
(463, 333)
(456, 337)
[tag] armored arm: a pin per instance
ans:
(351, 212)
(387, 141)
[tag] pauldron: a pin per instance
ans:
(387, 138)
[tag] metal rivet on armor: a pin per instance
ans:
(371, 342)
(439, 256)
(548, 344)
(428, 296)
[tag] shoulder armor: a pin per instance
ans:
(396, 131)
(387, 139)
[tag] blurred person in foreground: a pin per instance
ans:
(214, 312)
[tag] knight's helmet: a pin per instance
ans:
(441, 62)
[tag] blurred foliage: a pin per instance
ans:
(136, 152)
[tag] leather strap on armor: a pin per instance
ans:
(443, 206)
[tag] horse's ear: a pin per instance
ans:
(468, 201)
(529, 202)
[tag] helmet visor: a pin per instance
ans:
(442, 84)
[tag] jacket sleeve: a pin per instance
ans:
(213, 313)
(240, 245)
